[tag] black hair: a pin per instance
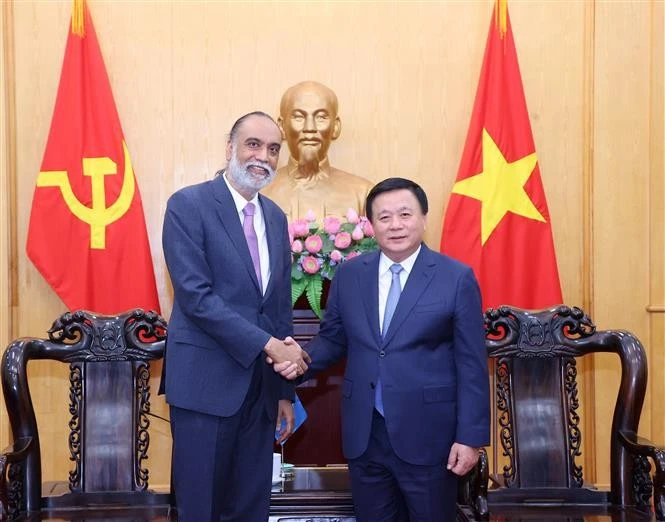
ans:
(390, 184)
(240, 121)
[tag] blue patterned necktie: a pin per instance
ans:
(391, 304)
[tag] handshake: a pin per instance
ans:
(287, 357)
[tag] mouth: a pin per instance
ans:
(310, 142)
(257, 170)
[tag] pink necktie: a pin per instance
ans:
(252, 241)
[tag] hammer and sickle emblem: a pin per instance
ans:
(99, 216)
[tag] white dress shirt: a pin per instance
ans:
(386, 277)
(259, 227)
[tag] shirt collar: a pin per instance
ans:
(239, 199)
(385, 262)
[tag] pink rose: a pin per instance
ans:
(296, 246)
(310, 265)
(331, 224)
(336, 256)
(352, 216)
(357, 233)
(351, 255)
(310, 216)
(300, 228)
(368, 229)
(342, 240)
(291, 236)
(314, 244)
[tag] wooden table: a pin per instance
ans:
(313, 491)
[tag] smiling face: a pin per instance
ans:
(309, 121)
(252, 155)
(399, 223)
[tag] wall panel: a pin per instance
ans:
(657, 221)
(620, 198)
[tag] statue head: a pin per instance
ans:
(309, 123)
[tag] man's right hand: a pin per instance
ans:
(287, 369)
(287, 351)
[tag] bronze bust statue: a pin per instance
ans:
(309, 122)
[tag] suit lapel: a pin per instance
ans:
(419, 279)
(227, 212)
(368, 283)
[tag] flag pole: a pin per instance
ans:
(78, 18)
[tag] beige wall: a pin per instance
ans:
(406, 75)
(5, 197)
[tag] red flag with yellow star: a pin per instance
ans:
(497, 219)
(87, 233)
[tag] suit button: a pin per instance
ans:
(382, 353)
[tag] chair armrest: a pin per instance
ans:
(13, 453)
(17, 450)
(472, 488)
(641, 447)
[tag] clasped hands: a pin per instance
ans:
(287, 357)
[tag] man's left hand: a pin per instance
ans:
(462, 458)
(285, 411)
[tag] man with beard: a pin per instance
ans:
(309, 122)
(227, 252)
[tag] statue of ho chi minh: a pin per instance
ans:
(309, 122)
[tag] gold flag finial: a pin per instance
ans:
(501, 12)
(78, 18)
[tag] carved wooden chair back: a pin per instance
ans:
(109, 370)
(536, 394)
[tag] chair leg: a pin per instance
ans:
(3, 487)
(659, 485)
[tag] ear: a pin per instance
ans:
(229, 148)
(337, 128)
(280, 124)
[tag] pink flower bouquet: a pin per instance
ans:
(317, 250)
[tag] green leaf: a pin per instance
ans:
(332, 270)
(314, 291)
(347, 227)
(367, 245)
(296, 273)
(297, 288)
(328, 245)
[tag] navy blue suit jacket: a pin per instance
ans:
(220, 320)
(432, 362)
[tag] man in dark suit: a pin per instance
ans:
(415, 396)
(228, 254)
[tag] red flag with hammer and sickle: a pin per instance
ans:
(87, 233)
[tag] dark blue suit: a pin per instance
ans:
(214, 360)
(431, 362)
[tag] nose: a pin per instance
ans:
(309, 123)
(395, 222)
(262, 154)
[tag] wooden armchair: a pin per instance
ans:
(536, 406)
(109, 391)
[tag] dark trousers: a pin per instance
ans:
(387, 489)
(222, 466)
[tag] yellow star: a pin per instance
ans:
(500, 187)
